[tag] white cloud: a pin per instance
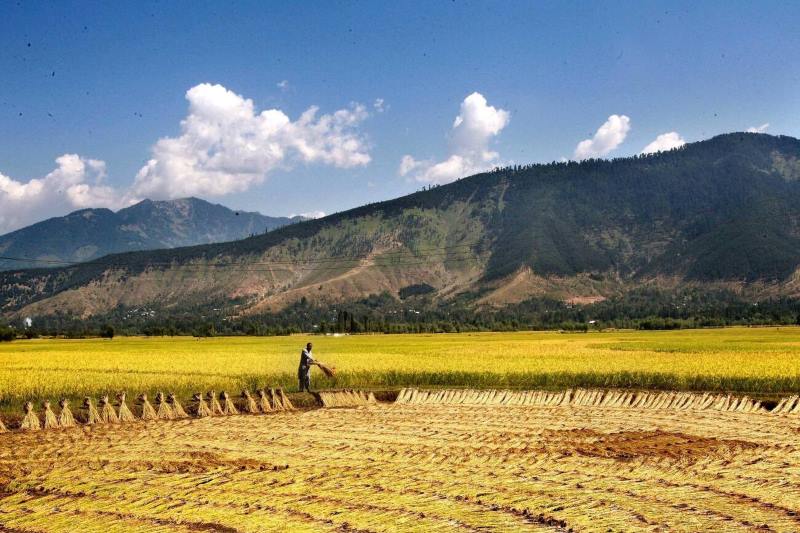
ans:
(607, 138)
(474, 127)
(380, 105)
(664, 142)
(408, 164)
(310, 214)
(225, 146)
(450, 169)
(283, 85)
(758, 129)
(75, 183)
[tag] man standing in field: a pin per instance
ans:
(304, 370)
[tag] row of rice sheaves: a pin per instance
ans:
(346, 398)
(598, 398)
(168, 407)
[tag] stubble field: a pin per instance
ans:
(476, 460)
(411, 468)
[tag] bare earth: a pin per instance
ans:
(411, 468)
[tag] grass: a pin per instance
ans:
(753, 360)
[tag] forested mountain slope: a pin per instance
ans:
(721, 212)
(92, 233)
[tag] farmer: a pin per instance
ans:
(304, 370)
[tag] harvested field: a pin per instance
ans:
(412, 467)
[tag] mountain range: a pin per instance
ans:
(723, 212)
(91, 233)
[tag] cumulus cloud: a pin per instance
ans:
(380, 105)
(758, 129)
(475, 126)
(283, 85)
(664, 142)
(75, 183)
(607, 138)
(310, 214)
(408, 164)
(226, 146)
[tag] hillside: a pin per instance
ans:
(718, 213)
(91, 233)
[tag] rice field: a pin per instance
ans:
(418, 466)
(490, 434)
(746, 360)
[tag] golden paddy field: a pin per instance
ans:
(752, 360)
(446, 460)
(423, 468)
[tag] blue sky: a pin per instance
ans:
(102, 83)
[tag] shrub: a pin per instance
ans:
(206, 330)
(7, 334)
(107, 331)
(415, 290)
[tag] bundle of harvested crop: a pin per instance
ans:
(248, 404)
(329, 371)
(275, 400)
(92, 416)
(213, 404)
(148, 413)
(50, 420)
(177, 408)
(201, 409)
(107, 413)
(287, 405)
(65, 418)
(227, 404)
(263, 401)
(164, 410)
(346, 398)
(125, 414)
(30, 422)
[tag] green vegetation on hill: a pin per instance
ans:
(644, 309)
(721, 214)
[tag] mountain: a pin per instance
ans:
(91, 233)
(724, 212)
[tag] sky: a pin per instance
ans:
(317, 107)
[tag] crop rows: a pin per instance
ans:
(412, 467)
